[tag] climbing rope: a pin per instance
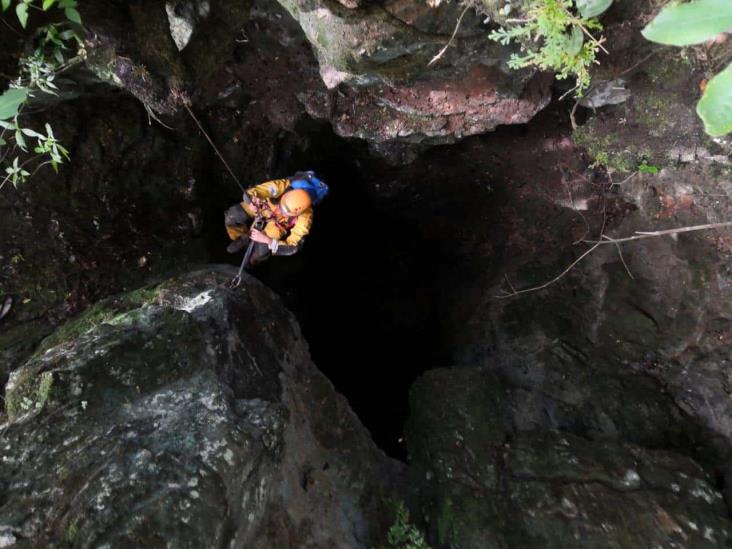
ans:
(186, 105)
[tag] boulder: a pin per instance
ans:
(185, 414)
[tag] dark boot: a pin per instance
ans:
(260, 254)
(237, 245)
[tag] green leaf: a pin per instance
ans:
(20, 140)
(21, 10)
(691, 23)
(47, 4)
(574, 41)
(715, 106)
(5, 4)
(10, 101)
(31, 133)
(592, 8)
(73, 15)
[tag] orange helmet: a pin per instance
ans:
(295, 202)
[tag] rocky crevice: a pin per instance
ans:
(594, 411)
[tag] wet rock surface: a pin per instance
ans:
(591, 408)
(185, 413)
(383, 53)
(480, 484)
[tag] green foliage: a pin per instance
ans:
(715, 106)
(22, 8)
(644, 167)
(592, 8)
(37, 74)
(10, 102)
(402, 534)
(601, 160)
(693, 23)
(567, 46)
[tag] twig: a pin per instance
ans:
(7, 177)
(553, 280)
(568, 269)
(651, 234)
(604, 239)
(454, 33)
(638, 64)
(620, 253)
(631, 176)
(571, 115)
(10, 27)
(152, 116)
(565, 94)
(597, 42)
(509, 283)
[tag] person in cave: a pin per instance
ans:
(285, 209)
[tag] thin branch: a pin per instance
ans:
(454, 33)
(553, 280)
(578, 21)
(10, 27)
(7, 177)
(638, 64)
(565, 94)
(639, 235)
(631, 176)
(568, 269)
(620, 254)
(572, 113)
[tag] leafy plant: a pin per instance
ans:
(644, 167)
(402, 534)
(22, 8)
(694, 23)
(37, 74)
(566, 44)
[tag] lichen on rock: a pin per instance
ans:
(186, 411)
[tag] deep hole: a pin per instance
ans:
(373, 286)
(363, 289)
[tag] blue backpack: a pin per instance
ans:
(307, 181)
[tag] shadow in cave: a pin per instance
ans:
(368, 287)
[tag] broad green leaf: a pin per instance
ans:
(47, 4)
(20, 140)
(574, 41)
(10, 101)
(2, 142)
(715, 106)
(73, 15)
(5, 4)
(691, 23)
(21, 10)
(31, 133)
(592, 8)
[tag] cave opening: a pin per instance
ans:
(365, 288)
(382, 285)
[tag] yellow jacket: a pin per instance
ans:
(279, 226)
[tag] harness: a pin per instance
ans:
(272, 214)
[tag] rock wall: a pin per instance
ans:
(186, 413)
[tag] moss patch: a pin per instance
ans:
(101, 313)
